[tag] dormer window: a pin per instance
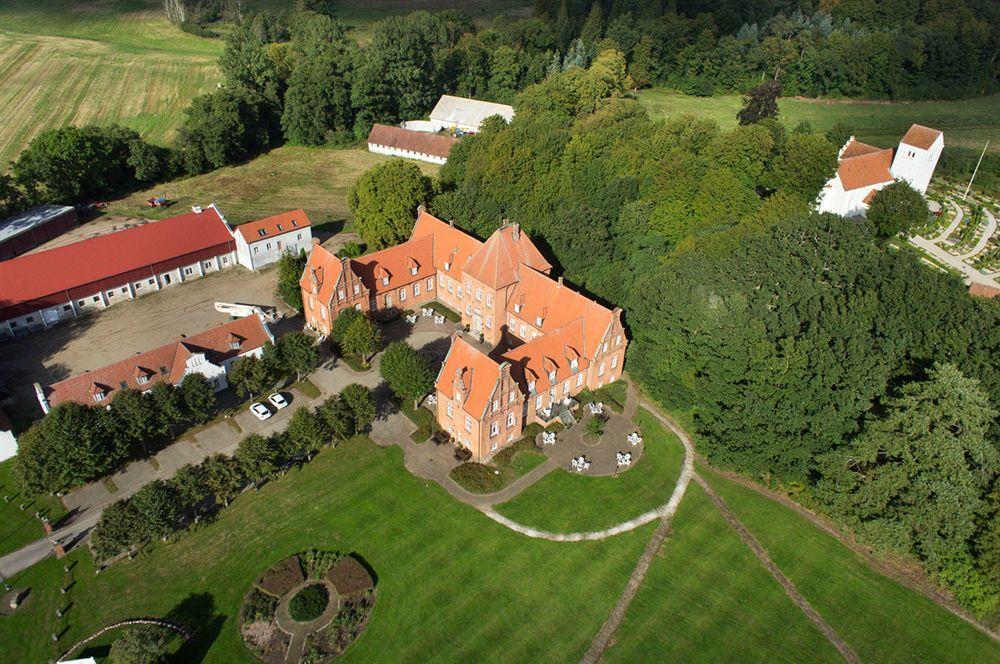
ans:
(262, 232)
(538, 321)
(447, 266)
(99, 396)
(531, 386)
(552, 376)
(385, 281)
(517, 308)
(413, 270)
(235, 341)
(574, 364)
(142, 379)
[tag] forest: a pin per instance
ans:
(807, 350)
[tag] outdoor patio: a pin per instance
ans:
(602, 455)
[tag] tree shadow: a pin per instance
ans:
(197, 613)
(364, 563)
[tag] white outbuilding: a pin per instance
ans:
(262, 242)
(467, 115)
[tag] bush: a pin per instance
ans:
(317, 562)
(258, 607)
(595, 425)
(477, 477)
(309, 603)
(198, 30)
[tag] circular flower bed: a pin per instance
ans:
(292, 595)
(309, 603)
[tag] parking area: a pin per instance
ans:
(106, 336)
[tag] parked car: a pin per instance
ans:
(260, 411)
(278, 400)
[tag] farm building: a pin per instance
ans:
(464, 114)
(865, 169)
(399, 142)
(209, 354)
(38, 290)
(26, 230)
(262, 242)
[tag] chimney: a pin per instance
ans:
(560, 280)
(451, 222)
(421, 209)
(315, 242)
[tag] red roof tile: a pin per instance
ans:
(532, 361)
(35, 276)
(286, 222)
(325, 269)
(862, 165)
(977, 289)
(396, 263)
(165, 363)
(452, 246)
(497, 263)
(438, 145)
(479, 375)
(920, 136)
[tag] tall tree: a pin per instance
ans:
(290, 268)
(361, 338)
(760, 102)
(297, 352)
(407, 371)
(198, 397)
(225, 127)
(250, 376)
(361, 402)
(223, 477)
(258, 458)
(896, 209)
(119, 528)
(384, 201)
(159, 507)
(245, 63)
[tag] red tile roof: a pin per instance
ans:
(397, 264)
(532, 361)
(539, 295)
(437, 145)
(977, 289)
(497, 263)
(166, 363)
(326, 268)
(863, 165)
(478, 372)
(452, 246)
(920, 136)
(55, 271)
(286, 222)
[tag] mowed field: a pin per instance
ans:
(315, 179)
(966, 123)
(68, 63)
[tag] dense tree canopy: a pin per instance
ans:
(897, 208)
(384, 201)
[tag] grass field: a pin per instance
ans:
(968, 122)
(554, 502)
(707, 598)
(880, 619)
(315, 179)
(452, 584)
(18, 527)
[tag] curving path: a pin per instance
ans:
(984, 239)
(959, 214)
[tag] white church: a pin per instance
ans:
(864, 169)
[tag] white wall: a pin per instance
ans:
(406, 154)
(915, 165)
(265, 251)
(8, 445)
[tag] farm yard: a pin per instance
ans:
(967, 123)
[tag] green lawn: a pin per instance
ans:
(566, 502)
(452, 584)
(707, 598)
(966, 122)
(18, 527)
(880, 619)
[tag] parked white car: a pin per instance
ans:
(260, 411)
(278, 400)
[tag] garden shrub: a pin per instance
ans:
(317, 562)
(282, 577)
(258, 607)
(477, 477)
(595, 425)
(309, 603)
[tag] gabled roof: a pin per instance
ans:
(34, 276)
(532, 361)
(23, 222)
(166, 363)
(326, 269)
(497, 263)
(558, 305)
(452, 110)
(437, 145)
(863, 165)
(920, 136)
(452, 246)
(396, 263)
(279, 224)
(478, 372)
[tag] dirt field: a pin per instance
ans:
(97, 339)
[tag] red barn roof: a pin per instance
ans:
(437, 145)
(166, 363)
(36, 276)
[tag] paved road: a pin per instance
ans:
(954, 224)
(972, 275)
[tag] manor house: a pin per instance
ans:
(548, 341)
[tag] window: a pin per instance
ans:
(413, 271)
(138, 286)
(496, 405)
(111, 294)
(459, 293)
(510, 419)
(261, 232)
(538, 402)
(280, 228)
(524, 332)
(99, 396)
(298, 236)
(489, 322)
(256, 249)
(511, 397)
(124, 290)
(494, 448)
(430, 284)
(489, 300)
(451, 288)
(416, 288)
(151, 282)
(566, 386)
(552, 376)
(600, 369)
(531, 386)
(538, 321)
(450, 409)
(388, 300)
(67, 307)
(618, 340)
(479, 295)
(468, 309)
(385, 281)
(322, 313)
(142, 379)
(468, 287)
(188, 270)
(614, 361)
(440, 280)
(340, 294)
(402, 294)
(29, 319)
(468, 423)
(96, 298)
(80, 303)
(574, 364)
(579, 379)
(225, 260)
(357, 289)
(494, 430)
(517, 308)
(605, 346)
